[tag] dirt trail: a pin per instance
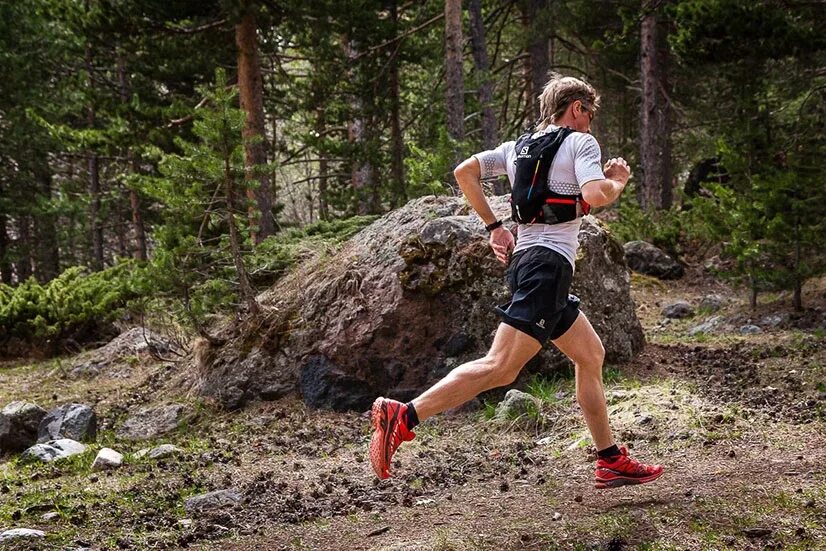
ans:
(738, 421)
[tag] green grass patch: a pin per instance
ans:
(548, 389)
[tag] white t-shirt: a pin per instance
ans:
(577, 162)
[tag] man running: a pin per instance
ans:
(539, 273)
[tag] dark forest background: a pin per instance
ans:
(171, 158)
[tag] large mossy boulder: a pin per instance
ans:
(404, 301)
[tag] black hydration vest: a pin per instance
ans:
(532, 202)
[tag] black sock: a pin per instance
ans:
(608, 453)
(411, 418)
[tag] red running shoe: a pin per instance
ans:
(624, 470)
(389, 420)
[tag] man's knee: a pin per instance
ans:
(593, 358)
(501, 371)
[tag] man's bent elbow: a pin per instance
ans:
(594, 196)
(466, 168)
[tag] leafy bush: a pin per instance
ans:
(66, 305)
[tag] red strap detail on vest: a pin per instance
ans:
(586, 207)
(561, 201)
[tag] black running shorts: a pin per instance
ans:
(539, 279)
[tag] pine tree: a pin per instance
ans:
(204, 233)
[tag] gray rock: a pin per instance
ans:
(749, 330)
(155, 421)
(164, 450)
(233, 397)
(647, 259)
(711, 303)
(774, 320)
(515, 404)
(133, 342)
(347, 328)
(53, 450)
(275, 391)
(16, 534)
(74, 421)
(50, 516)
(601, 272)
(708, 326)
(324, 385)
(678, 310)
(219, 499)
(19, 422)
(107, 458)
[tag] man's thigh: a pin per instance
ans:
(512, 348)
(581, 343)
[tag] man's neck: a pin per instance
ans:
(566, 120)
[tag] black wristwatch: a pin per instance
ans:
(491, 227)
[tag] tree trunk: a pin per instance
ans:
(5, 265)
(360, 169)
(137, 220)
(251, 90)
(47, 267)
(797, 299)
(24, 247)
(247, 294)
(320, 127)
(455, 75)
(538, 27)
(655, 190)
(396, 136)
(94, 209)
(93, 172)
(480, 60)
(139, 250)
(490, 130)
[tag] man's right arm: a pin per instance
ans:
(468, 176)
(599, 193)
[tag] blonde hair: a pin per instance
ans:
(562, 91)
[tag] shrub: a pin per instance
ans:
(68, 306)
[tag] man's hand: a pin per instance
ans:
(502, 243)
(617, 170)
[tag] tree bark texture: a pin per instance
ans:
(655, 190)
(538, 27)
(251, 90)
(360, 169)
(455, 75)
(482, 64)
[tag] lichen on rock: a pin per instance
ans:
(383, 313)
